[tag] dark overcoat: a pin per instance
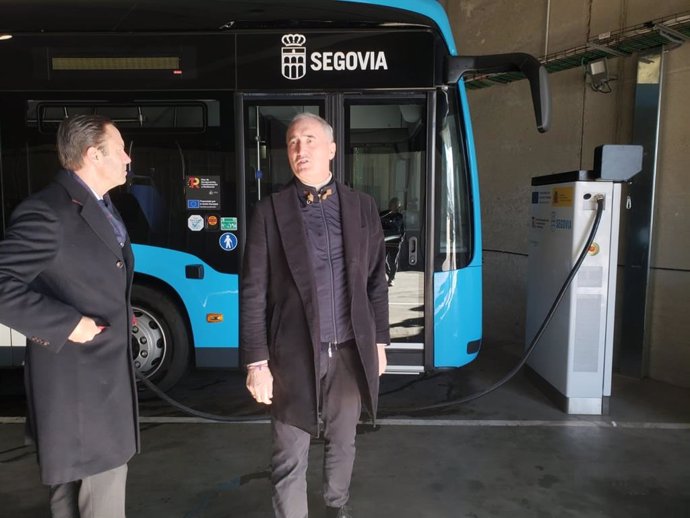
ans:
(60, 260)
(278, 303)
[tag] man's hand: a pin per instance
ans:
(85, 331)
(383, 361)
(260, 383)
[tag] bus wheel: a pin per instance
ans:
(160, 346)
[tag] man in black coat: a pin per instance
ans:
(314, 317)
(66, 270)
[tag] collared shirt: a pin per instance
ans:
(106, 206)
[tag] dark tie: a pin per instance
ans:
(114, 219)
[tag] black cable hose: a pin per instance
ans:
(437, 406)
(426, 376)
(197, 413)
(535, 340)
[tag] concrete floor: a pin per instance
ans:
(508, 454)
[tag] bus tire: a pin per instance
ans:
(160, 342)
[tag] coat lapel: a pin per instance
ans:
(90, 211)
(350, 216)
(293, 237)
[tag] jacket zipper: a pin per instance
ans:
(330, 267)
(319, 416)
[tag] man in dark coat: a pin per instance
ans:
(314, 317)
(66, 270)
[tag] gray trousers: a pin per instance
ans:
(97, 496)
(340, 411)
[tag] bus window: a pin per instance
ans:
(453, 209)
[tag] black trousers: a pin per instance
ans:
(340, 411)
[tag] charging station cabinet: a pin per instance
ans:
(572, 362)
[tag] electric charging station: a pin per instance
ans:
(572, 362)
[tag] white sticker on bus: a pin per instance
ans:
(195, 222)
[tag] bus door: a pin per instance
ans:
(381, 150)
(385, 156)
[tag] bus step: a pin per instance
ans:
(404, 358)
(404, 369)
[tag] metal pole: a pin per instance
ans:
(638, 216)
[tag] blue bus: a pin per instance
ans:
(203, 96)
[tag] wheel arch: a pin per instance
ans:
(163, 287)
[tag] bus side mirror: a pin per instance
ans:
(533, 70)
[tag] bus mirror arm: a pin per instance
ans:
(533, 70)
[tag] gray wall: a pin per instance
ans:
(510, 151)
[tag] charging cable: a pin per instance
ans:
(446, 404)
(197, 413)
(456, 402)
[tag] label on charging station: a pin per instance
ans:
(562, 197)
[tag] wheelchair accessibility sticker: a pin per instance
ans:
(228, 241)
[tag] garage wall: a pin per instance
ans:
(510, 151)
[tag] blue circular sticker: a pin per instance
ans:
(228, 241)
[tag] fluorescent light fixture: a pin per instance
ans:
(4, 37)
